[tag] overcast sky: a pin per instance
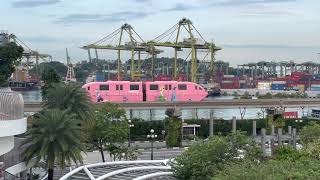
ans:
(247, 30)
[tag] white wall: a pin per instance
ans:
(9, 128)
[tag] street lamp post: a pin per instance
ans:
(130, 125)
(152, 136)
(163, 132)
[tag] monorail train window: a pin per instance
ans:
(168, 87)
(196, 87)
(154, 87)
(119, 87)
(104, 87)
(134, 87)
(182, 87)
(88, 88)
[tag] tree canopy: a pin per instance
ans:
(110, 126)
(59, 67)
(10, 55)
(70, 97)
(54, 137)
(50, 78)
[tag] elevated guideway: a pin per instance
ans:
(212, 104)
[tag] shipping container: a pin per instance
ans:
(301, 87)
(99, 77)
(228, 76)
(278, 87)
(315, 88)
(227, 82)
(264, 85)
(279, 82)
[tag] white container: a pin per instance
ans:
(227, 82)
(228, 76)
(279, 82)
(264, 85)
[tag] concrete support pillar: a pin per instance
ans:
(89, 55)
(272, 146)
(272, 130)
(234, 124)
(151, 115)
(254, 128)
(263, 141)
(289, 130)
(279, 136)
(289, 133)
(211, 123)
(294, 138)
(131, 114)
(194, 114)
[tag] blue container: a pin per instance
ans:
(315, 88)
(99, 78)
(278, 86)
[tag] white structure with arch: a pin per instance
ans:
(12, 121)
(137, 170)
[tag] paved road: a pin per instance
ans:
(145, 154)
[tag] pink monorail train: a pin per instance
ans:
(126, 91)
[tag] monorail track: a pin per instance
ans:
(212, 104)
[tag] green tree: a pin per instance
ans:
(50, 78)
(72, 98)
(59, 67)
(173, 128)
(204, 159)
(110, 126)
(270, 170)
(235, 94)
(54, 137)
(310, 133)
(246, 95)
(10, 55)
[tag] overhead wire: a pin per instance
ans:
(169, 30)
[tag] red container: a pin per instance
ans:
(297, 74)
(290, 115)
(315, 82)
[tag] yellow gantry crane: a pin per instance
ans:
(190, 42)
(28, 54)
(124, 39)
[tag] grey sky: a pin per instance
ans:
(247, 30)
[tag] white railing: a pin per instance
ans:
(86, 168)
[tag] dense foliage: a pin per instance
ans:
(283, 95)
(110, 126)
(270, 170)
(173, 128)
(58, 67)
(203, 160)
(219, 158)
(310, 133)
(10, 55)
(72, 98)
(55, 138)
(50, 78)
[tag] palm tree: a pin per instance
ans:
(55, 138)
(72, 98)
